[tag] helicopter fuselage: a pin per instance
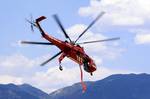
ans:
(74, 52)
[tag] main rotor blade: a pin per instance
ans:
(38, 43)
(61, 26)
(51, 58)
(111, 39)
(100, 15)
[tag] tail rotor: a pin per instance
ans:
(32, 23)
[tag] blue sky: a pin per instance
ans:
(126, 19)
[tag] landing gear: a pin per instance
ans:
(60, 68)
(91, 74)
(60, 59)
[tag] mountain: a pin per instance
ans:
(34, 91)
(120, 86)
(25, 91)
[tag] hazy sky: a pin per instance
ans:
(127, 19)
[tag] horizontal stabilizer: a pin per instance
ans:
(40, 18)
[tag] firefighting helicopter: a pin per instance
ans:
(68, 48)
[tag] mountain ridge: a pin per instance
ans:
(24, 91)
(118, 86)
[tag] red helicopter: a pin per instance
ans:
(70, 49)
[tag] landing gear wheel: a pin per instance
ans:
(91, 74)
(60, 68)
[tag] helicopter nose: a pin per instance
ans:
(92, 68)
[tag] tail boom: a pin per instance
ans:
(60, 44)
